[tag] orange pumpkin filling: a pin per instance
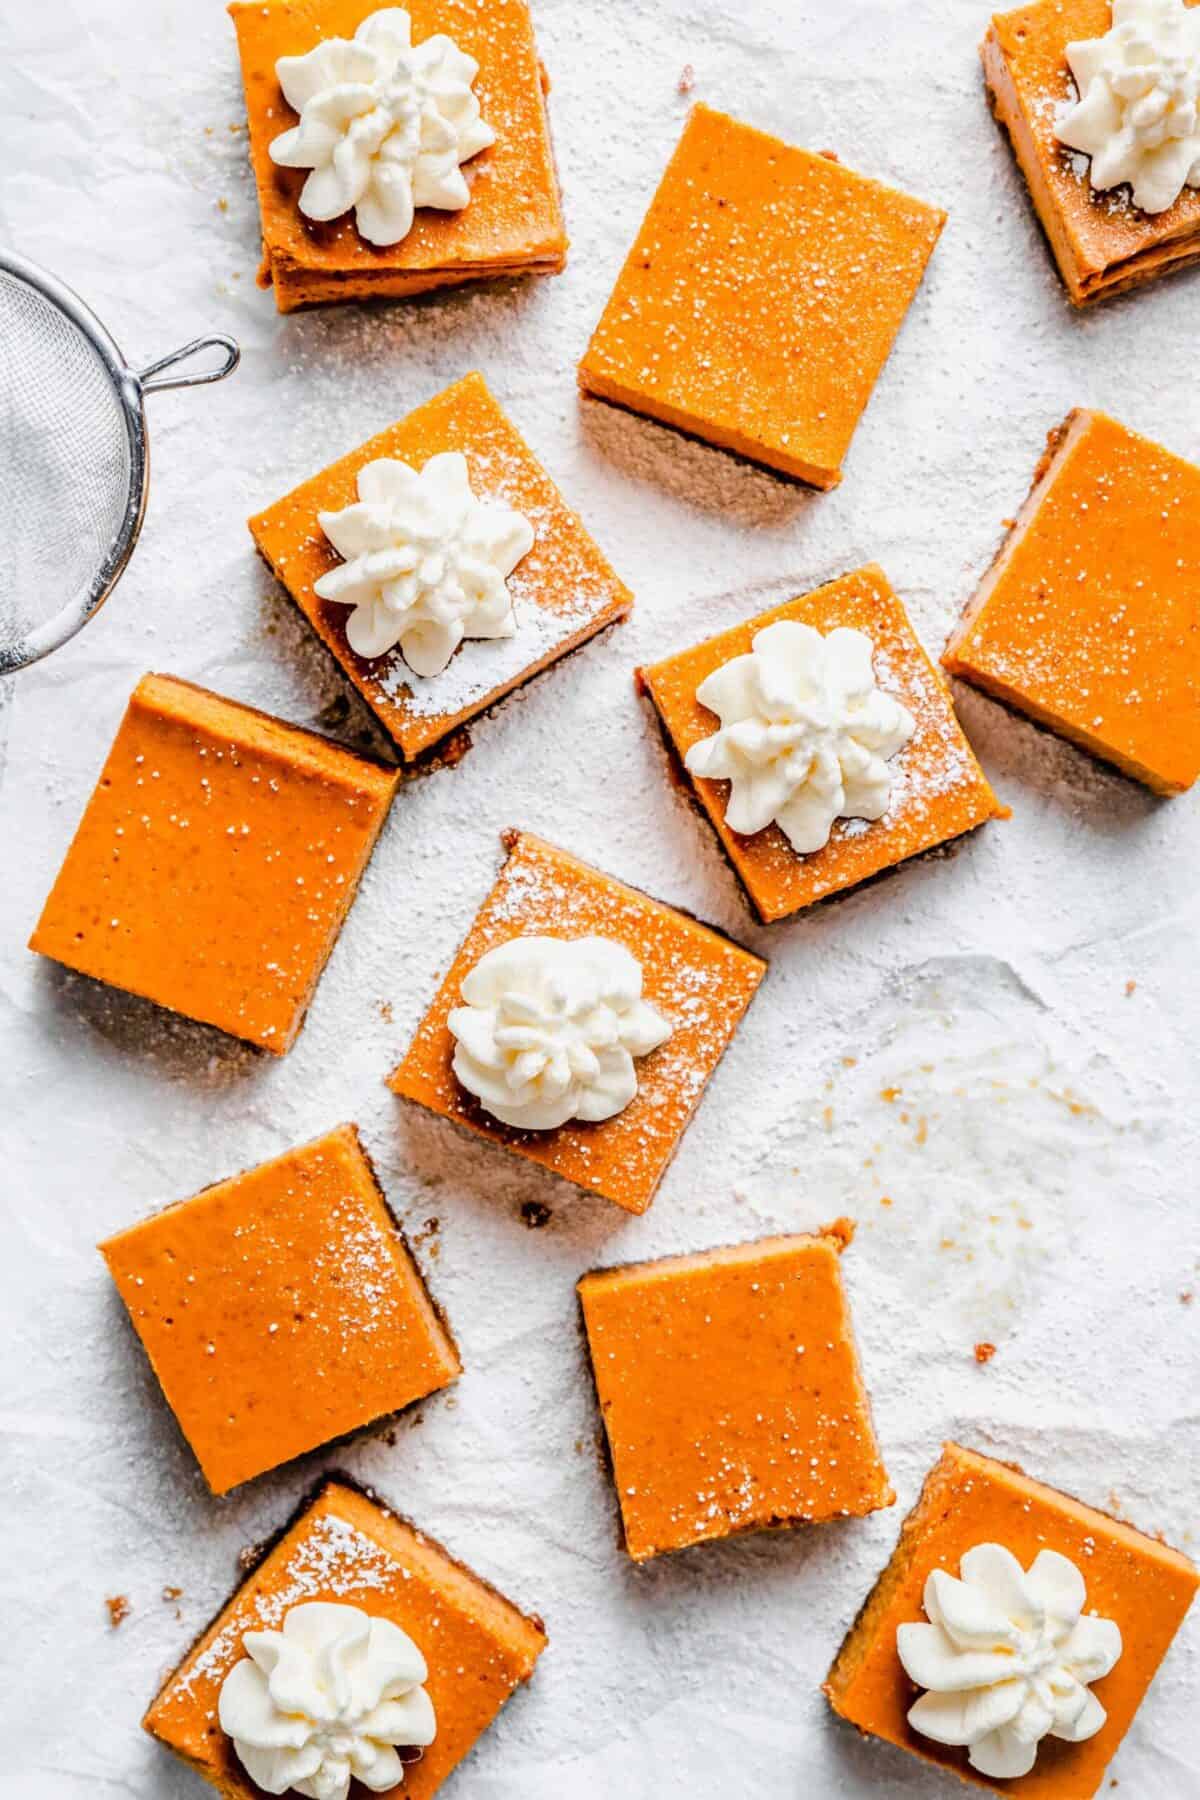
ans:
(281, 1309)
(731, 1393)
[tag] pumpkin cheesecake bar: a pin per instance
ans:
(430, 644)
(216, 861)
(731, 1393)
(1089, 618)
(397, 149)
(1066, 80)
(281, 1309)
(761, 298)
(821, 743)
(579, 1023)
(1013, 1635)
(426, 1654)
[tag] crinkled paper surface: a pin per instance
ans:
(989, 1060)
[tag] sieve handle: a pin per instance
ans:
(216, 341)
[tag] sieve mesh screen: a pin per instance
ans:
(64, 460)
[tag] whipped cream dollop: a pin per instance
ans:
(327, 1698)
(805, 733)
(550, 1028)
(426, 562)
(384, 125)
(1138, 113)
(1007, 1658)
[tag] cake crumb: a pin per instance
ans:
(687, 79)
(841, 1231)
(830, 155)
(984, 1352)
(1186, 1297)
(534, 1214)
(384, 1009)
(172, 1593)
(118, 1609)
(1131, 987)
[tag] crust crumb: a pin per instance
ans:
(118, 1609)
(984, 1352)
(841, 1231)
(534, 1214)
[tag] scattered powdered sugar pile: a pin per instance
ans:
(988, 1059)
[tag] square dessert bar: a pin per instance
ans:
(281, 1309)
(1102, 242)
(563, 590)
(731, 1392)
(939, 790)
(761, 298)
(512, 223)
(1136, 1582)
(1089, 618)
(216, 861)
(698, 980)
(347, 1549)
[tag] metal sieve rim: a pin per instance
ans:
(130, 389)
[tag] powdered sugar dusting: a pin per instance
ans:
(484, 667)
(330, 1560)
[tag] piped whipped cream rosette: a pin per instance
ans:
(806, 735)
(1007, 1658)
(426, 562)
(384, 125)
(325, 1700)
(1138, 112)
(550, 1028)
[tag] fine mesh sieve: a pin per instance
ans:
(73, 457)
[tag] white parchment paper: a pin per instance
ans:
(1034, 997)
